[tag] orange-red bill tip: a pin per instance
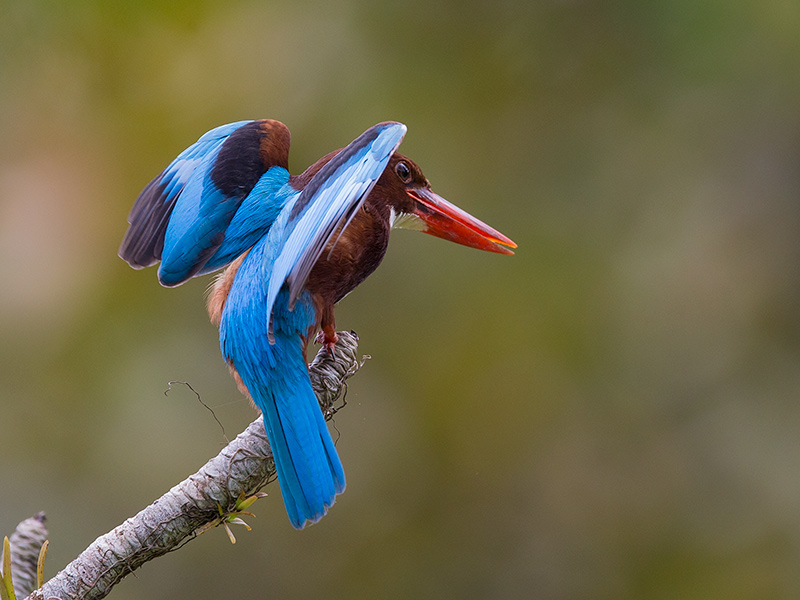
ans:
(447, 221)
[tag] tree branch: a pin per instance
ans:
(206, 499)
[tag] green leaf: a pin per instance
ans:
(238, 521)
(8, 585)
(247, 502)
(230, 533)
(40, 564)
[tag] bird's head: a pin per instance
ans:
(412, 204)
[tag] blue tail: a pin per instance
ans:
(309, 470)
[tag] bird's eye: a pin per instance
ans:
(403, 172)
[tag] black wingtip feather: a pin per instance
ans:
(144, 241)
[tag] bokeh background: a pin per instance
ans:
(611, 413)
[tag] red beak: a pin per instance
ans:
(445, 220)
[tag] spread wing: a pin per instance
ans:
(144, 241)
(181, 217)
(327, 204)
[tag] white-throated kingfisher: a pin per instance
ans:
(293, 246)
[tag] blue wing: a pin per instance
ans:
(182, 217)
(144, 241)
(253, 218)
(326, 205)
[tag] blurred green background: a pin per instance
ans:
(611, 413)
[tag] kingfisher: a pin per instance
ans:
(291, 247)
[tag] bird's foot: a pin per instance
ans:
(328, 339)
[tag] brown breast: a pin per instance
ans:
(357, 253)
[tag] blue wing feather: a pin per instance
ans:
(143, 243)
(253, 218)
(327, 203)
(183, 216)
(197, 225)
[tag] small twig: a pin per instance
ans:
(333, 371)
(200, 400)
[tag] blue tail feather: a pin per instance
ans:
(309, 470)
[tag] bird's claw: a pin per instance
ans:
(327, 339)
